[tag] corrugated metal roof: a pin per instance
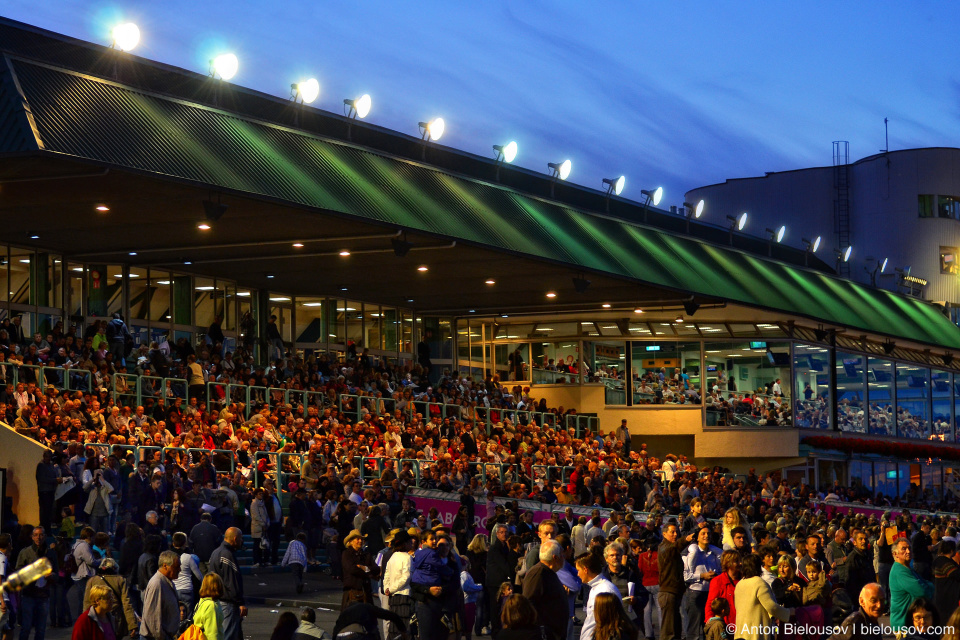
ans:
(97, 120)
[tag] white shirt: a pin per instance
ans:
(189, 566)
(396, 577)
(597, 585)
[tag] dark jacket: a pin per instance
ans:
(546, 593)
(223, 562)
(147, 565)
(946, 585)
(670, 564)
(501, 565)
(859, 571)
(857, 626)
(130, 550)
(204, 539)
(355, 578)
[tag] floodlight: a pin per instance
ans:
(883, 265)
(433, 129)
(506, 152)
(213, 211)
(846, 253)
(225, 66)
(580, 284)
(126, 36)
(696, 210)
(739, 222)
(653, 196)
(400, 246)
(615, 185)
(358, 107)
(811, 246)
(561, 170)
(778, 233)
(307, 91)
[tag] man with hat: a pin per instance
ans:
(358, 569)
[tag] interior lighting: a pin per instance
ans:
(126, 36)
(679, 320)
(297, 245)
(422, 268)
(615, 185)
(561, 169)
(307, 91)
(344, 253)
(102, 208)
(883, 265)
(434, 129)
(654, 196)
(491, 281)
(507, 152)
(638, 310)
(551, 294)
(225, 65)
(605, 305)
(204, 226)
(358, 107)
(132, 253)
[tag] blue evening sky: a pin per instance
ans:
(678, 94)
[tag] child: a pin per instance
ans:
(296, 558)
(472, 593)
(334, 556)
(716, 628)
(506, 590)
(67, 526)
(816, 591)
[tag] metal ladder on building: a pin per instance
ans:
(841, 203)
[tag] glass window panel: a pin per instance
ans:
(463, 346)
(161, 288)
(353, 313)
(21, 264)
(75, 293)
(686, 330)
(744, 329)
(666, 372)
(948, 260)
(247, 323)
(373, 338)
(406, 328)
(770, 330)
(139, 294)
(608, 328)
(5, 269)
(662, 329)
(280, 306)
(50, 293)
(930, 476)
(390, 328)
(204, 307)
(638, 329)
(755, 371)
(851, 392)
(310, 327)
(606, 363)
(230, 307)
(880, 396)
(516, 331)
(948, 207)
(941, 387)
(445, 339)
(913, 401)
(811, 370)
(713, 330)
(334, 325)
(925, 205)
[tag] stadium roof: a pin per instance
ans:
(163, 152)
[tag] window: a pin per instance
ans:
(851, 392)
(948, 207)
(811, 370)
(913, 401)
(925, 205)
(880, 397)
(941, 387)
(948, 260)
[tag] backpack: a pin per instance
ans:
(70, 565)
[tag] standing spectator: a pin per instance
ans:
(96, 623)
(724, 586)
(906, 585)
(259, 523)
(118, 336)
(189, 571)
(396, 578)
(205, 537)
(86, 567)
(98, 492)
(358, 569)
(124, 619)
(48, 477)
(543, 589)
(590, 570)
(866, 617)
(670, 565)
(700, 566)
(296, 559)
(35, 598)
(274, 339)
(472, 593)
(946, 578)
(6, 611)
(223, 562)
(161, 609)
(920, 548)
(520, 620)
(650, 572)
(858, 567)
(613, 623)
(756, 605)
(501, 567)
(208, 615)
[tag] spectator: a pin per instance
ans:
(296, 558)
(96, 623)
(472, 593)
(161, 609)
(223, 562)
(670, 567)
(396, 578)
(613, 623)
(48, 478)
(86, 564)
(756, 605)
(208, 615)
(906, 585)
(34, 598)
(724, 586)
(700, 566)
(358, 569)
(946, 578)
(864, 623)
(124, 619)
(308, 629)
(543, 589)
(189, 571)
(590, 571)
(501, 567)
(205, 537)
(286, 627)
(519, 620)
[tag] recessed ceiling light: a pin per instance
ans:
(204, 226)
(638, 310)
(132, 253)
(77, 269)
(606, 305)
(102, 208)
(409, 299)
(312, 304)
(473, 310)
(162, 281)
(344, 253)
(35, 237)
(422, 267)
(503, 315)
(279, 299)
(187, 262)
(551, 294)
(297, 245)
(491, 281)
(205, 288)
(343, 288)
(25, 260)
(270, 276)
(679, 320)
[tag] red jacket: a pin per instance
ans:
(87, 628)
(722, 587)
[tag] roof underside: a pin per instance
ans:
(93, 120)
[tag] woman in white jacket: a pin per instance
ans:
(396, 579)
(259, 523)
